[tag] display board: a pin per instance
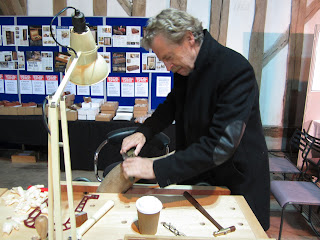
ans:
(32, 64)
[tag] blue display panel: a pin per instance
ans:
(35, 26)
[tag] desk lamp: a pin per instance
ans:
(85, 67)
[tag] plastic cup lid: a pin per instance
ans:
(148, 205)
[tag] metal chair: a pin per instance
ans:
(314, 161)
(284, 165)
(160, 140)
(300, 193)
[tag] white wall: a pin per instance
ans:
(274, 74)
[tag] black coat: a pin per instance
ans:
(219, 133)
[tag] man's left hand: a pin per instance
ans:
(138, 167)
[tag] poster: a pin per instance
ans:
(0, 35)
(8, 35)
(163, 86)
(83, 90)
(71, 88)
(12, 60)
(22, 38)
(25, 84)
(1, 84)
(104, 36)
(46, 35)
(38, 85)
(133, 62)
(63, 35)
(113, 86)
(126, 36)
(119, 38)
(127, 87)
(133, 36)
(151, 63)
(35, 33)
(97, 89)
(60, 61)
(11, 84)
(51, 84)
(119, 62)
(107, 58)
(39, 61)
(141, 87)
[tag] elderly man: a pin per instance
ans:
(215, 105)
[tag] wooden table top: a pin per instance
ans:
(2, 191)
(120, 222)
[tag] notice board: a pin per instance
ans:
(32, 64)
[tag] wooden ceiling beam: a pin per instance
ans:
(312, 9)
(126, 5)
(139, 8)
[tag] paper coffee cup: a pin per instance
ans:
(148, 208)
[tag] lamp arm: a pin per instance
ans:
(56, 97)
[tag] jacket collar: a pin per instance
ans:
(204, 57)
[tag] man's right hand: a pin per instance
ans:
(136, 140)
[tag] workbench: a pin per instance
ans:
(120, 222)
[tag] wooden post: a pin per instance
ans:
(139, 8)
(126, 5)
(219, 20)
(179, 4)
(100, 7)
(58, 5)
(13, 7)
(257, 38)
(296, 35)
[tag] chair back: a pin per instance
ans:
(115, 137)
(302, 142)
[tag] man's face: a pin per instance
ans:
(178, 58)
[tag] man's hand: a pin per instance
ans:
(138, 167)
(136, 140)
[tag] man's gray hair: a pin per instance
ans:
(173, 24)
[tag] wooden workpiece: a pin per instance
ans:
(121, 219)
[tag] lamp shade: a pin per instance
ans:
(91, 67)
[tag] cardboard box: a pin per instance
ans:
(82, 117)
(24, 157)
(113, 113)
(38, 111)
(141, 101)
(3, 111)
(105, 117)
(139, 113)
(72, 115)
(12, 110)
(29, 110)
(69, 99)
(140, 107)
(21, 111)
(110, 106)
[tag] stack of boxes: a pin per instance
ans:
(16, 108)
(108, 111)
(140, 108)
(90, 108)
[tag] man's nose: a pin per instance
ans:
(168, 65)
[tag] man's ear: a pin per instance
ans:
(190, 38)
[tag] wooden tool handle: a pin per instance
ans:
(41, 225)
